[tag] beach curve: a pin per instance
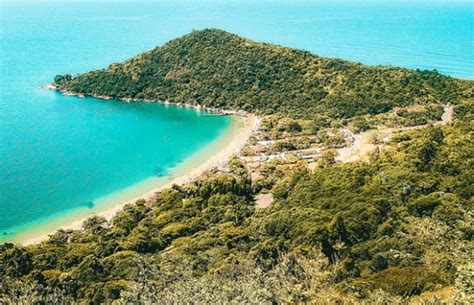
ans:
(212, 156)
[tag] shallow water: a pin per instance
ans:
(62, 153)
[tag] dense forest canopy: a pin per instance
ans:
(214, 68)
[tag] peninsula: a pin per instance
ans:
(215, 69)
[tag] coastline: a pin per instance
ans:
(216, 111)
(211, 156)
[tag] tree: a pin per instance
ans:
(328, 158)
(59, 79)
(95, 224)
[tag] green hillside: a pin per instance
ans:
(217, 69)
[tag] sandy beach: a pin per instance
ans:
(210, 157)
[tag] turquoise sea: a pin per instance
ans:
(61, 154)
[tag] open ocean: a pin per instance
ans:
(59, 154)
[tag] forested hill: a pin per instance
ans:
(217, 69)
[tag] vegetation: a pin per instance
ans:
(214, 68)
(397, 227)
(61, 79)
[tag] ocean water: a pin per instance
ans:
(59, 154)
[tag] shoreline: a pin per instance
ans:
(216, 111)
(213, 155)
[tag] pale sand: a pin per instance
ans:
(213, 156)
(263, 201)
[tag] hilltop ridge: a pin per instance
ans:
(217, 69)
